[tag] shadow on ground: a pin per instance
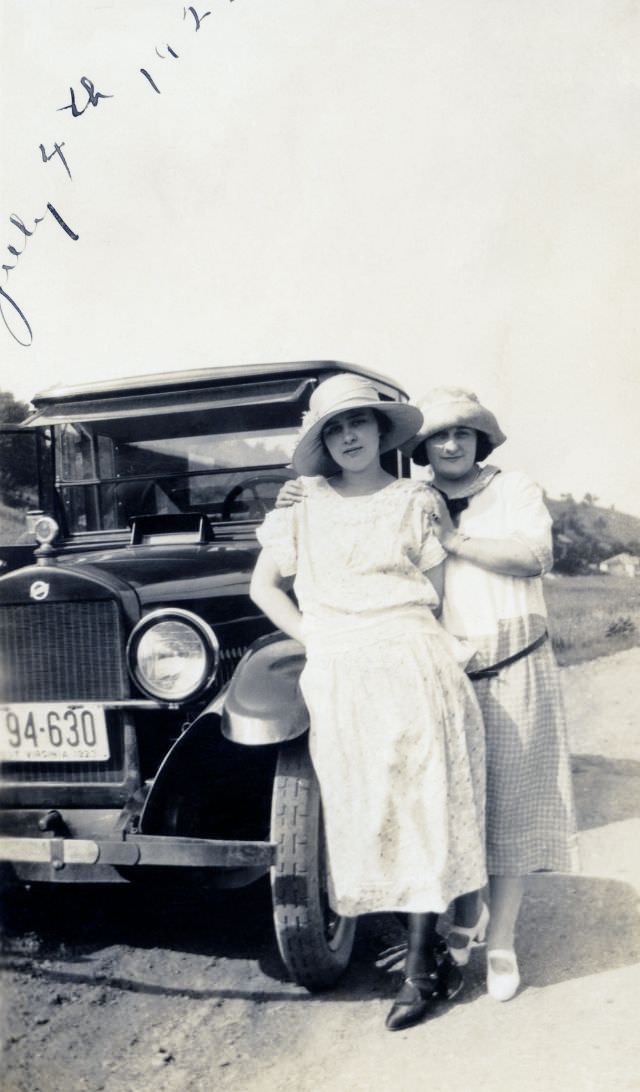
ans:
(607, 790)
(570, 927)
(52, 933)
(75, 921)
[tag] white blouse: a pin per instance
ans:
(356, 557)
(479, 604)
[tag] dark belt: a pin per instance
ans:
(494, 669)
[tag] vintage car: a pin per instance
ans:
(150, 717)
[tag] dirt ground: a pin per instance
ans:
(125, 990)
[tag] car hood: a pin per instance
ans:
(183, 574)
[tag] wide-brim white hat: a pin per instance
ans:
(339, 394)
(447, 407)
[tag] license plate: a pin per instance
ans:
(53, 732)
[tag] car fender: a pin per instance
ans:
(263, 702)
(182, 779)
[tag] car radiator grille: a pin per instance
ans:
(69, 651)
(62, 651)
(229, 659)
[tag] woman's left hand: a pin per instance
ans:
(441, 522)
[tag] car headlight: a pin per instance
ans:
(173, 655)
(45, 529)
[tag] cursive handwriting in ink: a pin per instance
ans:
(93, 98)
(65, 227)
(198, 18)
(198, 23)
(151, 80)
(18, 222)
(11, 313)
(19, 318)
(163, 57)
(57, 150)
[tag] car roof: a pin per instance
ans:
(197, 377)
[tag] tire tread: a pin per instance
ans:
(295, 827)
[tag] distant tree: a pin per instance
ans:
(576, 545)
(17, 465)
(12, 411)
(589, 498)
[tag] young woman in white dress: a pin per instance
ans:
(396, 734)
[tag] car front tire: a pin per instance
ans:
(315, 943)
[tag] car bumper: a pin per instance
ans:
(138, 849)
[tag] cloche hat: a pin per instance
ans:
(338, 394)
(446, 407)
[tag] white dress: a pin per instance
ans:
(530, 811)
(396, 734)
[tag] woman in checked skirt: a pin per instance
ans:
(497, 533)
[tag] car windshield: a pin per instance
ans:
(226, 465)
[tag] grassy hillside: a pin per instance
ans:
(606, 523)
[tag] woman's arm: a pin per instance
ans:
(267, 592)
(508, 556)
(435, 576)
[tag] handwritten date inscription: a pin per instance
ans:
(93, 98)
(12, 314)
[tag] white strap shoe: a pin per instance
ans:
(502, 985)
(474, 934)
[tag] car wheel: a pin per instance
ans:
(315, 943)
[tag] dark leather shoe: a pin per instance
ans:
(418, 994)
(450, 977)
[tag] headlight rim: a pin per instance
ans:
(49, 529)
(203, 629)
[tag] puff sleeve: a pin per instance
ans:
(426, 551)
(529, 518)
(278, 534)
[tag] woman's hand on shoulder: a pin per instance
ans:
(292, 492)
(440, 520)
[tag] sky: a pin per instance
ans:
(442, 190)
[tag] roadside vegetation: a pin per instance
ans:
(584, 534)
(12, 524)
(592, 615)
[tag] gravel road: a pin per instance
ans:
(126, 990)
